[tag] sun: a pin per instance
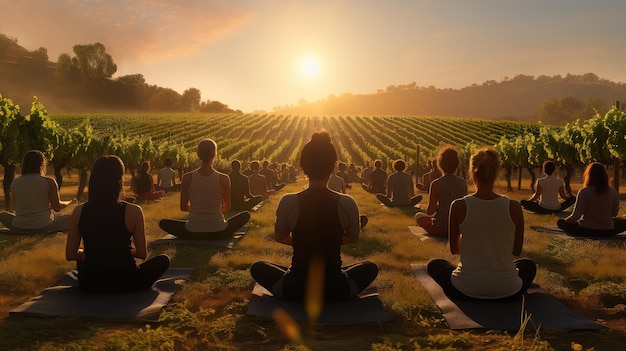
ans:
(310, 68)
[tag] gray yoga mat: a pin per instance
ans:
(65, 299)
(553, 229)
(545, 311)
(366, 308)
(228, 243)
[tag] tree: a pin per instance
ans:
(40, 54)
(93, 62)
(10, 150)
(65, 68)
(190, 100)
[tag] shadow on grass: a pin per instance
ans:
(365, 247)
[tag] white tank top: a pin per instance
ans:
(32, 206)
(486, 269)
(205, 197)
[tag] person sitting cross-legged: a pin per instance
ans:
(546, 197)
(400, 189)
(241, 198)
(205, 193)
(316, 222)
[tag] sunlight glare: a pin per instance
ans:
(310, 68)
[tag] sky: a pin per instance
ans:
(259, 54)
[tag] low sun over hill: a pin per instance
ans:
(550, 99)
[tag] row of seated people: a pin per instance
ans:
(489, 225)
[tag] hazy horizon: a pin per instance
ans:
(260, 54)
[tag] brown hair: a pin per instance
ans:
(34, 161)
(484, 166)
(105, 181)
(448, 159)
(596, 175)
(399, 165)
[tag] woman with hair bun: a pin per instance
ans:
(487, 230)
(316, 222)
(596, 207)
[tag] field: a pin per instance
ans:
(208, 313)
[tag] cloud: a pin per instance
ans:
(131, 29)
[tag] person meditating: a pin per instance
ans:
(546, 197)
(36, 198)
(166, 177)
(205, 193)
(443, 191)
(241, 198)
(596, 207)
(143, 184)
(106, 225)
(400, 189)
(487, 230)
(316, 222)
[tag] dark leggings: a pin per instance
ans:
(387, 201)
(441, 271)
(574, 229)
(535, 207)
(146, 274)
(268, 274)
(177, 227)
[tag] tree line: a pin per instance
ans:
(83, 80)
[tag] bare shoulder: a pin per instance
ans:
(133, 209)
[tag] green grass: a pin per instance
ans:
(209, 311)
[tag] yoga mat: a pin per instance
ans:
(26, 232)
(422, 235)
(553, 229)
(366, 308)
(545, 311)
(228, 243)
(65, 299)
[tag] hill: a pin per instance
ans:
(518, 98)
(25, 74)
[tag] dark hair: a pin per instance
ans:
(378, 163)
(548, 167)
(235, 165)
(254, 166)
(448, 159)
(105, 182)
(318, 156)
(168, 162)
(399, 165)
(145, 167)
(596, 175)
(484, 166)
(34, 161)
(207, 149)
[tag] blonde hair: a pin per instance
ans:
(484, 166)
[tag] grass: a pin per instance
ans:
(209, 312)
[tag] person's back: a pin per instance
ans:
(143, 183)
(377, 181)
(30, 192)
(166, 177)
(488, 233)
(453, 187)
(108, 264)
(239, 188)
(550, 186)
(258, 185)
(205, 196)
(598, 209)
(336, 183)
(400, 184)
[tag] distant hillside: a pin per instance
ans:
(516, 98)
(24, 74)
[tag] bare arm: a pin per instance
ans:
(457, 216)
(184, 192)
(284, 238)
(226, 197)
(536, 194)
(515, 210)
(73, 251)
(433, 198)
(53, 196)
(135, 224)
(562, 193)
